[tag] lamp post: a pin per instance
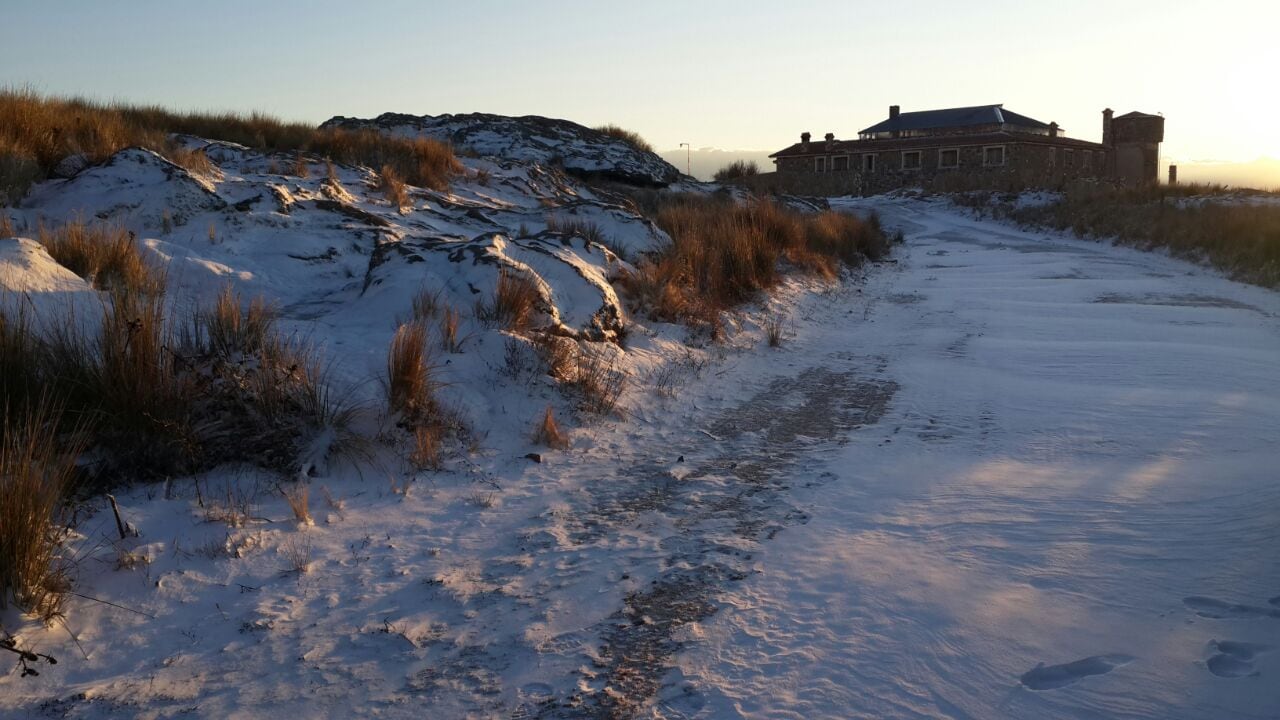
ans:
(687, 151)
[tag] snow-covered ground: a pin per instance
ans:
(1010, 474)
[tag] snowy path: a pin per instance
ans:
(1009, 476)
(1079, 468)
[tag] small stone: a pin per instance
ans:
(534, 457)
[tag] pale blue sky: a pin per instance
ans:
(729, 74)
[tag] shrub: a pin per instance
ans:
(737, 169)
(514, 301)
(410, 386)
(36, 471)
(630, 137)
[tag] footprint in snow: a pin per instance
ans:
(1219, 610)
(1052, 677)
(1233, 659)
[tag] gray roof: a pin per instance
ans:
(955, 117)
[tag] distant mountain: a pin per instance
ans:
(576, 148)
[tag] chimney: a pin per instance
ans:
(830, 138)
(1107, 138)
(804, 141)
(893, 111)
(1173, 174)
(1053, 129)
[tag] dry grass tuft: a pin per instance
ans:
(576, 227)
(391, 186)
(410, 385)
(449, 320)
(425, 304)
(298, 496)
(628, 136)
(599, 382)
(232, 331)
(514, 301)
(109, 257)
(6, 226)
(297, 553)
(774, 327)
(427, 453)
(557, 353)
(36, 472)
(547, 432)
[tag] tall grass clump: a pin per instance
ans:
(410, 385)
(630, 137)
(108, 257)
(1230, 231)
(37, 468)
(722, 254)
(737, 169)
(38, 132)
(515, 300)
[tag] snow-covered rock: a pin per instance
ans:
(532, 138)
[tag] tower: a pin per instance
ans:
(1134, 141)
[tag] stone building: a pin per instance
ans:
(962, 148)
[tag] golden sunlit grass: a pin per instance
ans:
(1238, 236)
(109, 257)
(38, 132)
(547, 432)
(410, 386)
(722, 254)
(514, 301)
(628, 136)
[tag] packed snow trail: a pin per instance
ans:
(1005, 475)
(1071, 508)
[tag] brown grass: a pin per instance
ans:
(109, 257)
(37, 132)
(558, 354)
(547, 432)
(449, 320)
(628, 136)
(576, 227)
(392, 187)
(36, 472)
(298, 496)
(1236, 236)
(410, 385)
(230, 330)
(427, 451)
(774, 329)
(514, 301)
(723, 254)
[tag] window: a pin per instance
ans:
(910, 159)
(869, 163)
(1088, 159)
(840, 162)
(1053, 157)
(949, 158)
(1069, 158)
(993, 156)
(820, 164)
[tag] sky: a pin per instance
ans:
(714, 73)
